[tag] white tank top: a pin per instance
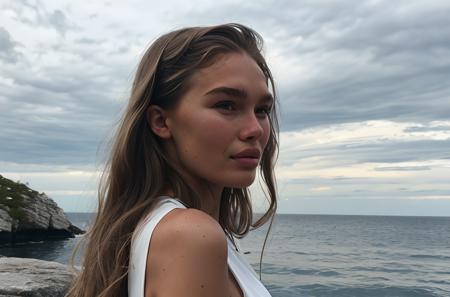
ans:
(244, 274)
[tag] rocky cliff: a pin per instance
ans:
(27, 215)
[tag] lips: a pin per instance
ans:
(247, 153)
(247, 159)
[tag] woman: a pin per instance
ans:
(199, 122)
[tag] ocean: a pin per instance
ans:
(328, 255)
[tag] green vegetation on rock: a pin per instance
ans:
(11, 197)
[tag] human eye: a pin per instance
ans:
(263, 111)
(225, 106)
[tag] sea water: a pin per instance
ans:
(327, 255)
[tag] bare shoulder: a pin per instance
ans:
(187, 256)
(190, 226)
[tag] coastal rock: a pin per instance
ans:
(33, 278)
(5, 221)
(27, 215)
(42, 213)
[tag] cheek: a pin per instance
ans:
(266, 133)
(216, 138)
(203, 136)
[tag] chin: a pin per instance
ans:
(241, 181)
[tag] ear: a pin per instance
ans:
(157, 121)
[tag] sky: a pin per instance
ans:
(363, 86)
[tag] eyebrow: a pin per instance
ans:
(239, 93)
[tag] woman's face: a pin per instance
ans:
(220, 126)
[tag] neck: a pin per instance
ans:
(209, 194)
(210, 197)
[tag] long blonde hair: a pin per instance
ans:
(138, 169)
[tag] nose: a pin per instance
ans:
(251, 128)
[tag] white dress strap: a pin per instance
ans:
(140, 243)
(244, 274)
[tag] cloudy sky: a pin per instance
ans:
(364, 89)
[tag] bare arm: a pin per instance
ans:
(187, 257)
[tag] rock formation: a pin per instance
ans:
(27, 215)
(33, 278)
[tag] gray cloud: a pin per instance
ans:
(404, 168)
(395, 64)
(384, 152)
(60, 114)
(393, 152)
(388, 151)
(427, 129)
(86, 40)
(57, 19)
(341, 181)
(8, 52)
(58, 126)
(36, 14)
